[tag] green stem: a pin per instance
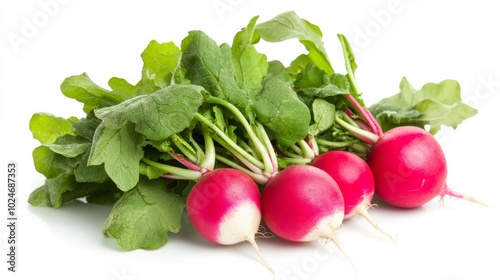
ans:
(296, 149)
(349, 119)
(185, 148)
(304, 153)
(250, 166)
(314, 145)
(262, 134)
(258, 178)
(363, 135)
(335, 145)
(178, 172)
(208, 162)
(297, 160)
(244, 145)
(200, 154)
(307, 151)
(268, 165)
(347, 52)
(223, 138)
(290, 154)
(360, 148)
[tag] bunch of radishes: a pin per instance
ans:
(310, 196)
(315, 192)
(405, 166)
(219, 116)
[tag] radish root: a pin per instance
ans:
(257, 250)
(447, 191)
(362, 210)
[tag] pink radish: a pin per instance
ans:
(407, 162)
(355, 181)
(409, 166)
(224, 207)
(303, 203)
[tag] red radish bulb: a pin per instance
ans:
(355, 180)
(303, 203)
(409, 167)
(224, 207)
(407, 162)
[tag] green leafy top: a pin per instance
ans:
(289, 25)
(434, 105)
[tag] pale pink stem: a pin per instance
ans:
(185, 162)
(377, 126)
(369, 118)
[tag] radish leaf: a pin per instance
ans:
(121, 151)
(160, 64)
(278, 108)
(433, 105)
(250, 66)
(83, 89)
(46, 128)
(143, 216)
(210, 66)
(158, 115)
(289, 25)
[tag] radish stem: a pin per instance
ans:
(363, 135)
(230, 143)
(184, 161)
(178, 173)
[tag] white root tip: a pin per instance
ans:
(257, 250)
(362, 210)
(332, 236)
(466, 198)
(335, 241)
(474, 200)
(453, 193)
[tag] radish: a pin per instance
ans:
(355, 180)
(410, 168)
(408, 164)
(224, 207)
(303, 203)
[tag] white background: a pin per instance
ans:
(427, 41)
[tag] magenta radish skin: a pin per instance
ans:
(224, 207)
(220, 198)
(407, 162)
(302, 203)
(409, 167)
(355, 180)
(353, 176)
